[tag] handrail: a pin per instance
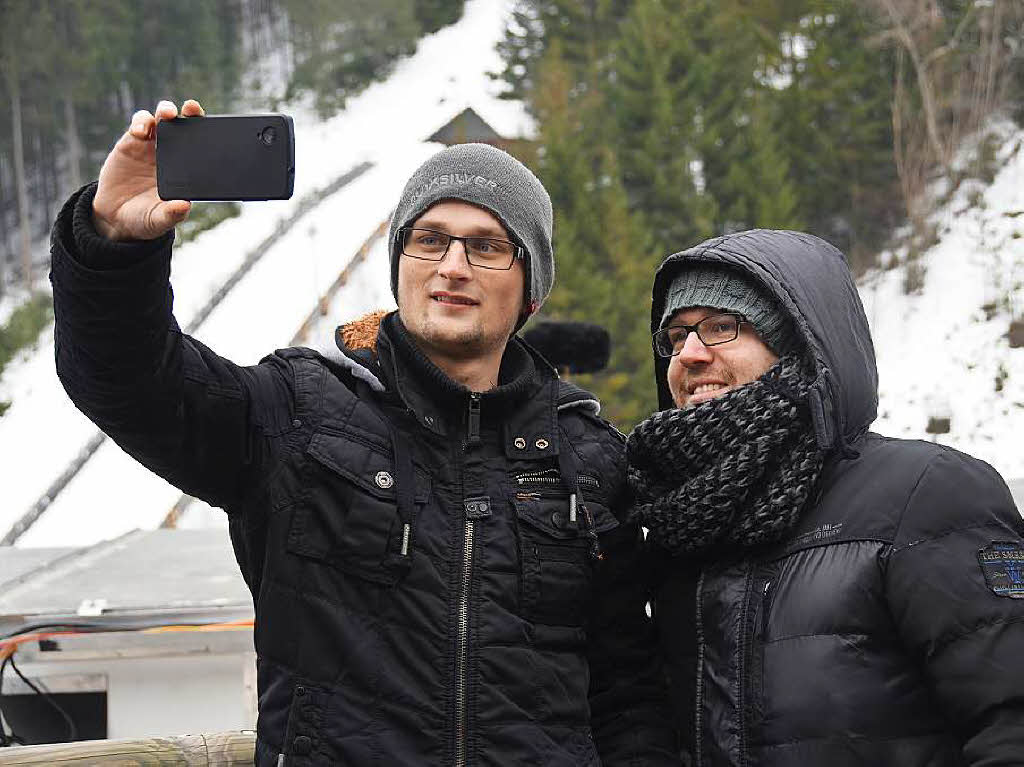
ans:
(219, 749)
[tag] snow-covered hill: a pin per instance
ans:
(943, 352)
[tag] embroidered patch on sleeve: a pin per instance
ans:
(1002, 562)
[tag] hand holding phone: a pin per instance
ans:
(244, 157)
(126, 205)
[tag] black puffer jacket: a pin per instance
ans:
(424, 592)
(883, 630)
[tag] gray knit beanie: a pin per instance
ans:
(720, 287)
(486, 176)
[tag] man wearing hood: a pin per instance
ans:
(425, 518)
(825, 596)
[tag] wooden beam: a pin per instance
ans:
(221, 749)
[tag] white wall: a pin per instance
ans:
(177, 696)
(156, 685)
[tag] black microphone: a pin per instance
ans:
(573, 347)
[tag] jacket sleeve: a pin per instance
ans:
(628, 696)
(967, 637)
(167, 400)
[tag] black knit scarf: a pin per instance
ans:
(733, 471)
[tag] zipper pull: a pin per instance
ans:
(572, 509)
(473, 431)
(406, 530)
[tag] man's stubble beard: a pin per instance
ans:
(466, 343)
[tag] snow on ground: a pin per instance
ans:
(940, 353)
(385, 125)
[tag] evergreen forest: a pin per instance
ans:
(664, 122)
(72, 72)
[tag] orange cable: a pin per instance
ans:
(10, 646)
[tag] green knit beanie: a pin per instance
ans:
(720, 287)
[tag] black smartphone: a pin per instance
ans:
(225, 157)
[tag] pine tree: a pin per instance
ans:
(652, 101)
(837, 126)
(341, 47)
(25, 51)
(585, 32)
(627, 387)
(434, 14)
(603, 252)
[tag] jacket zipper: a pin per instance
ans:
(544, 478)
(462, 624)
(698, 757)
(744, 650)
(548, 479)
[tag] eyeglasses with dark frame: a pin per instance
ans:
(713, 330)
(485, 252)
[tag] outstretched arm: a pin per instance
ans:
(184, 412)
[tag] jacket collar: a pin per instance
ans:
(524, 402)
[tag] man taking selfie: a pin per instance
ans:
(430, 522)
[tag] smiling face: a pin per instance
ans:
(453, 309)
(699, 373)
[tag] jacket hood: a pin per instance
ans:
(812, 282)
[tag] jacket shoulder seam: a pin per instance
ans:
(910, 499)
(917, 541)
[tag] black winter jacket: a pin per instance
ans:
(884, 629)
(424, 593)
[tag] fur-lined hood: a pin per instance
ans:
(360, 333)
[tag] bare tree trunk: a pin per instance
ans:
(74, 143)
(67, 17)
(992, 56)
(924, 83)
(5, 251)
(20, 181)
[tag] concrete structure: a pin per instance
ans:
(147, 634)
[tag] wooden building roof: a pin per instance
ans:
(466, 127)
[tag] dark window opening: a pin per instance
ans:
(34, 718)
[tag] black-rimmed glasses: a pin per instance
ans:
(712, 331)
(485, 252)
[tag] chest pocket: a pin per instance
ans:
(348, 515)
(556, 566)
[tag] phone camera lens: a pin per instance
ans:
(268, 135)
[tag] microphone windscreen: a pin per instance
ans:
(579, 347)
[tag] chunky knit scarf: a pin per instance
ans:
(735, 470)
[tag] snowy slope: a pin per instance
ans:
(385, 125)
(940, 352)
